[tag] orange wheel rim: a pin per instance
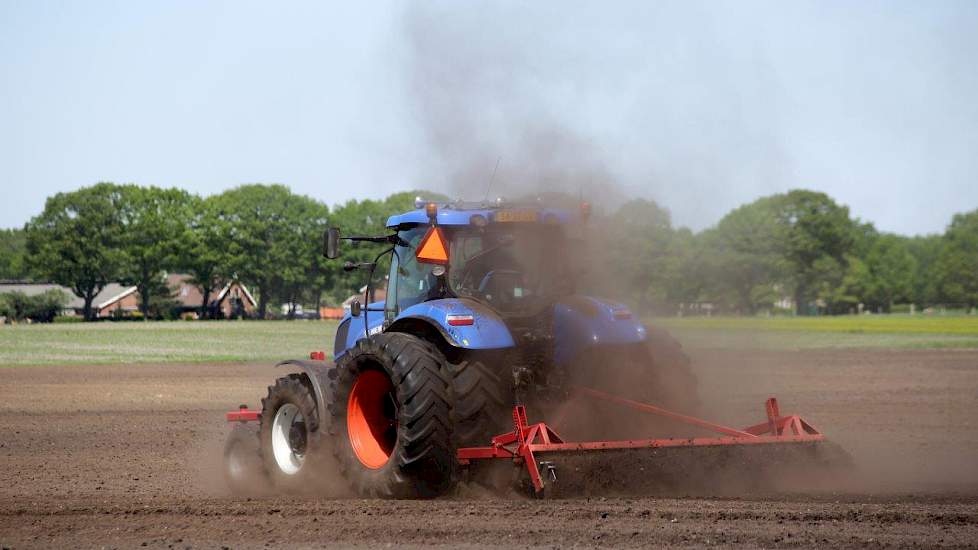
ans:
(371, 419)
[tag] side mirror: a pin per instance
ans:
(355, 308)
(331, 243)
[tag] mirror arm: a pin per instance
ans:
(366, 294)
(392, 239)
(350, 266)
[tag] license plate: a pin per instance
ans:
(516, 216)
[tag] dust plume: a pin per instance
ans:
(480, 100)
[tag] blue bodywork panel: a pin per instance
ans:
(488, 331)
(448, 216)
(578, 323)
(582, 322)
(347, 336)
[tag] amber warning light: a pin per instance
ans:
(433, 249)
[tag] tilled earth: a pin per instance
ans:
(99, 456)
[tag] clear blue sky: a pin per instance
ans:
(701, 107)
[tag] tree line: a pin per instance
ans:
(265, 236)
(799, 248)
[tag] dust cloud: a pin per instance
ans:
(518, 106)
(490, 124)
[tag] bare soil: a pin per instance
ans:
(129, 456)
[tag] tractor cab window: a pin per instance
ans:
(410, 282)
(513, 267)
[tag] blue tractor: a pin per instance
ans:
(481, 311)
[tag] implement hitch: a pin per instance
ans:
(526, 441)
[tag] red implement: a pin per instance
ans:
(527, 440)
(243, 414)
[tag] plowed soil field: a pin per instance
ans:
(129, 456)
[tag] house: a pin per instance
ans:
(234, 301)
(116, 300)
(113, 297)
(230, 301)
(187, 295)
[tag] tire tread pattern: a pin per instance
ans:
(422, 463)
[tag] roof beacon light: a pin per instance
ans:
(432, 210)
(433, 247)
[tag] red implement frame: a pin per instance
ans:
(526, 440)
(243, 414)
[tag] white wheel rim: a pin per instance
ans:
(286, 458)
(235, 463)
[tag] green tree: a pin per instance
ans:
(812, 230)
(957, 263)
(271, 236)
(301, 245)
(75, 241)
(890, 269)
(155, 223)
(13, 244)
(643, 248)
(744, 257)
(205, 256)
(42, 308)
(926, 250)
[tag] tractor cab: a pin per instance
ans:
(481, 276)
(513, 268)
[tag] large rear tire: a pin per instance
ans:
(656, 372)
(670, 370)
(289, 434)
(483, 402)
(391, 422)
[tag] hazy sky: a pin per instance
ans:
(701, 107)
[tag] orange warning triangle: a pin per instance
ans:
(432, 249)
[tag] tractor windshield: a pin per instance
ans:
(513, 267)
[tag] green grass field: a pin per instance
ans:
(851, 331)
(267, 341)
(163, 342)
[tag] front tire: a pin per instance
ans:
(289, 433)
(390, 418)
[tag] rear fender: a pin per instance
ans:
(317, 373)
(487, 331)
(581, 322)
